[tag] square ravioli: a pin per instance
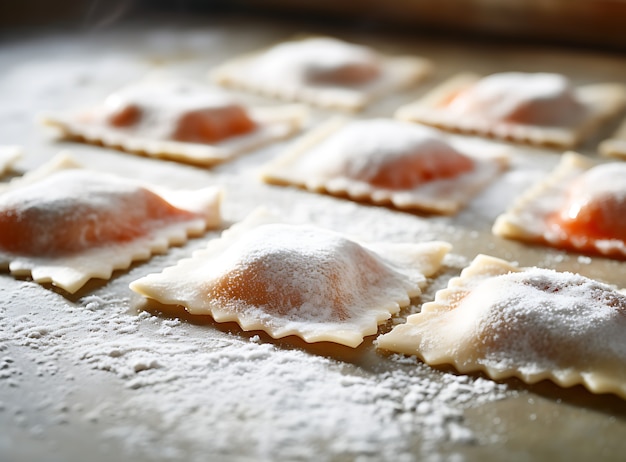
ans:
(531, 323)
(65, 225)
(580, 206)
(302, 280)
(178, 120)
(535, 108)
(322, 71)
(9, 155)
(389, 162)
(616, 145)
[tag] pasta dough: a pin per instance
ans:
(8, 156)
(66, 225)
(530, 323)
(322, 71)
(616, 145)
(536, 108)
(580, 206)
(181, 121)
(297, 280)
(388, 162)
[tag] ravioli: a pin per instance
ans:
(530, 323)
(8, 156)
(534, 108)
(322, 71)
(580, 206)
(179, 120)
(301, 280)
(388, 162)
(616, 145)
(66, 225)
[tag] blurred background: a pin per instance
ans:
(593, 23)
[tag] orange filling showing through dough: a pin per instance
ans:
(407, 172)
(213, 125)
(257, 286)
(257, 282)
(209, 125)
(596, 205)
(346, 74)
(127, 116)
(600, 218)
(552, 103)
(47, 228)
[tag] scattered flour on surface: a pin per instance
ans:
(189, 391)
(272, 403)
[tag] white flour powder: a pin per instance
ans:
(192, 391)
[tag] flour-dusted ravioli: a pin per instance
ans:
(531, 323)
(66, 225)
(8, 156)
(302, 280)
(536, 108)
(179, 120)
(616, 145)
(322, 71)
(388, 162)
(580, 206)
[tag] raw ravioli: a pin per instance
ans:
(8, 156)
(535, 108)
(616, 145)
(322, 71)
(388, 162)
(531, 323)
(580, 206)
(181, 121)
(66, 225)
(298, 280)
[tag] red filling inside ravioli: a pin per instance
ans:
(411, 170)
(596, 205)
(534, 99)
(257, 285)
(125, 116)
(213, 124)
(177, 110)
(298, 271)
(355, 73)
(74, 211)
(318, 61)
(209, 125)
(388, 155)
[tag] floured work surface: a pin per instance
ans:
(95, 376)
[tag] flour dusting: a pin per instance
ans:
(194, 391)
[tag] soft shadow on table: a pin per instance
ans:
(577, 396)
(386, 205)
(326, 349)
(9, 175)
(90, 286)
(95, 284)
